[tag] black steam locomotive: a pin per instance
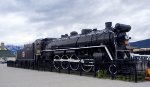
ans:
(89, 51)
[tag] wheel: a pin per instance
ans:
(65, 62)
(74, 62)
(113, 69)
(56, 62)
(87, 64)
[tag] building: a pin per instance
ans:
(142, 51)
(6, 54)
(2, 46)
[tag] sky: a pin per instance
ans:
(24, 21)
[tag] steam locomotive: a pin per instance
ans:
(89, 51)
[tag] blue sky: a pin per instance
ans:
(23, 21)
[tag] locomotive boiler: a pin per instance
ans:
(85, 51)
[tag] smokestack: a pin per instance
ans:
(108, 24)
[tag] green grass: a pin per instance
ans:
(101, 73)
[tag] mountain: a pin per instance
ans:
(141, 44)
(13, 48)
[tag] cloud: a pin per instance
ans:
(23, 21)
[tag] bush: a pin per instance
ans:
(101, 73)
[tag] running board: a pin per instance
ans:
(101, 46)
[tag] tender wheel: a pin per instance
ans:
(56, 62)
(87, 64)
(74, 62)
(113, 69)
(64, 62)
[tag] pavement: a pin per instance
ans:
(17, 77)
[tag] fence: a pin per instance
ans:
(128, 69)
